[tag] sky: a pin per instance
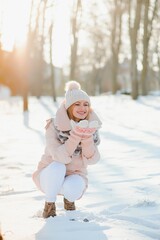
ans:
(14, 27)
(122, 201)
(13, 23)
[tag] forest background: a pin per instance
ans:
(109, 46)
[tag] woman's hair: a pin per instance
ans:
(70, 112)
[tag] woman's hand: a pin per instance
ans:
(84, 128)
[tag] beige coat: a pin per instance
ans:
(56, 151)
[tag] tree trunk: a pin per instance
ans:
(146, 38)
(116, 42)
(74, 44)
(133, 39)
(145, 50)
(25, 102)
(27, 65)
(51, 66)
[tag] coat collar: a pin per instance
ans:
(62, 121)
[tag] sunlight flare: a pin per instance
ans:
(14, 17)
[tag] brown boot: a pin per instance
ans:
(49, 210)
(69, 205)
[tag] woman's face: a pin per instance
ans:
(80, 110)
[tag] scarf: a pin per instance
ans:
(63, 136)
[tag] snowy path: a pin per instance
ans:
(123, 198)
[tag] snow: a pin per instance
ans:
(123, 198)
(4, 92)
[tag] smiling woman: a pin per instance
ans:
(14, 15)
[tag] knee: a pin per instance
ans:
(73, 188)
(58, 167)
(53, 170)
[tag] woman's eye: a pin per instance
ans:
(79, 104)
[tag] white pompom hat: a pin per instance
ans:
(74, 93)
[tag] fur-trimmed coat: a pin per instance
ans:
(64, 151)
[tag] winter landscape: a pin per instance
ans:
(123, 198)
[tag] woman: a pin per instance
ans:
(71, 145)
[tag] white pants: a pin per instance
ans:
(53, 181)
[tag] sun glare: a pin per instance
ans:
(14, 15)
(61, 34)
(14, 19)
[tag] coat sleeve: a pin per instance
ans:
(58, 151)
(90, 151)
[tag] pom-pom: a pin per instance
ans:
(72, 85)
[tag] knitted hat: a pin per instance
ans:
(74, 93)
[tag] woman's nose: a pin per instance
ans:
(82, 107)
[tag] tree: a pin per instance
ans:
(51, 64)
(116, 41)
(147, 29)
(74, 32)
(133, 31)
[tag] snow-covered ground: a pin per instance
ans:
(123, 198)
